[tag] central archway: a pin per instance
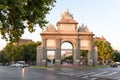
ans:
(66, 54)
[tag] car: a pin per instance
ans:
(20, 64)
(16, 64)
(117, 63)
(114, 65)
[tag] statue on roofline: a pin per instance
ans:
(66, 14)
(83, 28)
(50, 28)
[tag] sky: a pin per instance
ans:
(102, 17)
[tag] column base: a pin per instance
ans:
(44, 63)
(58, 63)
(77, 63)
(90, 62)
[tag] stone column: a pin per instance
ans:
(89, 59)
(95, 55)
(44, 60)
(90, 54)
(58, 52)
(39, 56)
(77, 53)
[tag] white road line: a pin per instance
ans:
(66, 73)
(74, 74)
(93, 78)
(100, 73)
(111, 73)
(69, 74)
(85, 74)
(61, 73)
(85, 77)
(80, 73)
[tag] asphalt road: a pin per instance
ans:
(18, 73)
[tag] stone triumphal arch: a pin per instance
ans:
(67, 31)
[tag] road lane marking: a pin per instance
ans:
(70, 74)
(100, 73)
(111, 73)
(93, 78)
(85, 77)
(86, 74)
(81, 74)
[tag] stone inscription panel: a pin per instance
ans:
(84, 43)
(51, 43)
(67, 27)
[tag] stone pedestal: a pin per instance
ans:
(77, 63)
(90, 57)
(58, 63)
(39, 56)
(44, 63)
(76, 57)
(58, 53)
(90, 62)
(95, 56)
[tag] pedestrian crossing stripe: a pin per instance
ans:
(100, 73)
(93, 78)
(85, 77)
(111, 73)
(86, 74)
(93, 75)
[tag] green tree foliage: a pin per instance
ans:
(25, 52)
(117, 56)
(2, 60)
(83, 53)
(68, 59)
(15, 13)
(105, 51)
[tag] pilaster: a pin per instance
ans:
(77, 53)
(90, 54)
(58, 52)
(95, 56)
(44, 61)
(39, 56)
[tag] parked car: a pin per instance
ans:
(114, 65)
(16, 64)
(117, 63)
(20, 64)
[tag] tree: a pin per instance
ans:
(30, 52)
(117, 56)
(68, 59)
(105, 51)
(2, 57)
(8, 51)
(15, 13)
(24, 52)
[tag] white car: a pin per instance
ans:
(19, 64)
